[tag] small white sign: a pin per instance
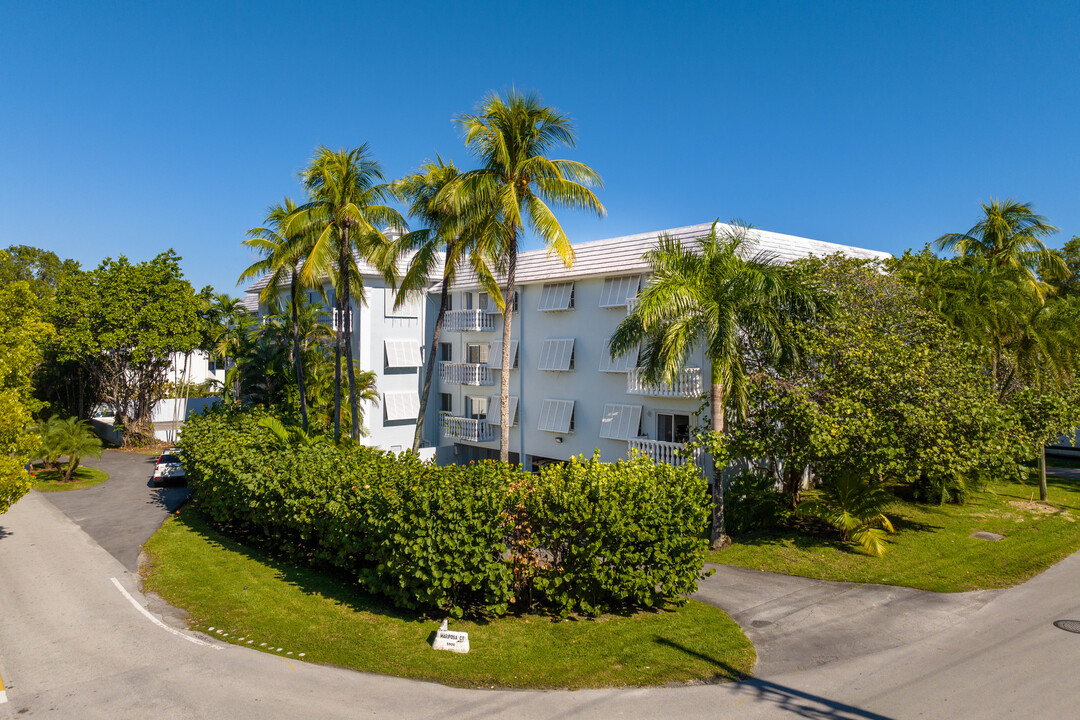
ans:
(453, 641)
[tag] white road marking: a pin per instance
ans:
(3, 696)
(157, 622)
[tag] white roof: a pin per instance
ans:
(366, 269)
(622, 255)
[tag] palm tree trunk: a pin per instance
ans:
(296, 352)
(504, 376)
(346, 309)
(718, 538)
(1042, 474)
(73, 464)
(337, 372)
(429, 371)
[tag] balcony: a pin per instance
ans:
(465, 374)
(687, 384)
(469, 321)
(631, 305)
(663, 452)
(461, 428)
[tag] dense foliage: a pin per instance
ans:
(481, 539)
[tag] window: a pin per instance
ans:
(621, 422)
(557, 416)
(495, 355)
(211, 366)
(401, 405)
(621, 364)
(476, 353)
(477, 301)
(476, 408)
(557, 354)
(672, 427)
(557, 296)
(449, 301)
(495, 411)
(618, 290)
(403, 354)
(482, 301)
(446, 352)
(446, 402)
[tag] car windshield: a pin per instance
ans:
(171, 459)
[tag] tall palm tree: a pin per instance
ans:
(516, 186)
(1009, 234)
(345, 208)
(443, 230)
(281, 256)
(720, 295)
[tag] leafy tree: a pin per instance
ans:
(120, 324)
(445, 230)
(22, 329)
(41, 269)
(515, 186)
(69, 437)
(717, 294)
(339, 223)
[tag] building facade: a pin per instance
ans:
(567, 396)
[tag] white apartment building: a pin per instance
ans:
(567, 396)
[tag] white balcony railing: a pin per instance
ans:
(461, 428)
(469, 321)
(465, 374)
(687, 384)
(631, 305)
(663, 452)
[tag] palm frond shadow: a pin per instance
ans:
(790, 700)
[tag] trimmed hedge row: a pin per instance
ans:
(478, 539)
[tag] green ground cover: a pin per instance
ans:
(933, 548)
(232, 587)
(53, 480)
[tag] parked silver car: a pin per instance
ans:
(168, 467)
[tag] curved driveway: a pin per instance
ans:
(73, 646)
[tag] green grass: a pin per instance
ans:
(932, 548)
(53, 480)
(227, 585)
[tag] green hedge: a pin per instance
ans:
(479, 539)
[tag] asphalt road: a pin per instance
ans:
(72, 645)
(124, 511)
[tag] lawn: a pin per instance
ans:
(933, 548)
(251, 599)
(53, 480)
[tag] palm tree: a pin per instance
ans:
(444, 230)
(282, 254)
(345, 208)
(720, 295)
(516, 186)
(1008, 235)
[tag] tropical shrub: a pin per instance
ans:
(66, 436)
(752, 502)
(473, 539)
(855, 508)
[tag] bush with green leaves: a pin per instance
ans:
(477, 539)
(752, 503)
(856, 508)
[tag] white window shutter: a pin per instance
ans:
(618, 290)
(495, 354)
(409, 309)
(556, 354)
(495, 412)
(401, 405)
(620, 422)
(555, 415)
(621, 364)
(403, 354)
(556, 296)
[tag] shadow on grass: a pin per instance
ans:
(326, 582)
(790, 700)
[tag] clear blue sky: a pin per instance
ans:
(133, 128)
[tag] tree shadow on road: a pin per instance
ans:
(790, 700)
(4, 532)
